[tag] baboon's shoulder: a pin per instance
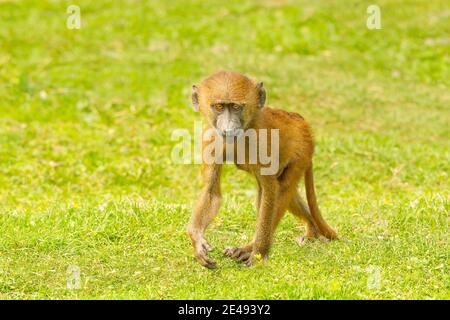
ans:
(282, 115)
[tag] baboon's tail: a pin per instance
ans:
(324, 228)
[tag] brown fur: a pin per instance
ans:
(276, 193)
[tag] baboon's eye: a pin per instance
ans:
(236, 107)
(218, 107)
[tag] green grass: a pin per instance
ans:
(86, 118)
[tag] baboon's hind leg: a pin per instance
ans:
(300, 209)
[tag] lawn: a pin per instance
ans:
(93, 207)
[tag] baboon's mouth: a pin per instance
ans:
(231, 133)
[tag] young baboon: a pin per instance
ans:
(232, 104)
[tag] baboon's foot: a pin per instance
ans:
(303, 240)
(201, 249)
(241, 254)
(330, 234)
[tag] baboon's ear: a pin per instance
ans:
(195, 97)
(261, 94)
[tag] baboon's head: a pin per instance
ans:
(228, 101)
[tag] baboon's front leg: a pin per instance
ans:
(264, 222)
(204, 212)
(243, 253)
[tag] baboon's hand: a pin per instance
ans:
(201, 249)
(238, 253)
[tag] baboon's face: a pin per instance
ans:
(228, 117)
(228, 101)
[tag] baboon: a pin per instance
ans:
(232, 103)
